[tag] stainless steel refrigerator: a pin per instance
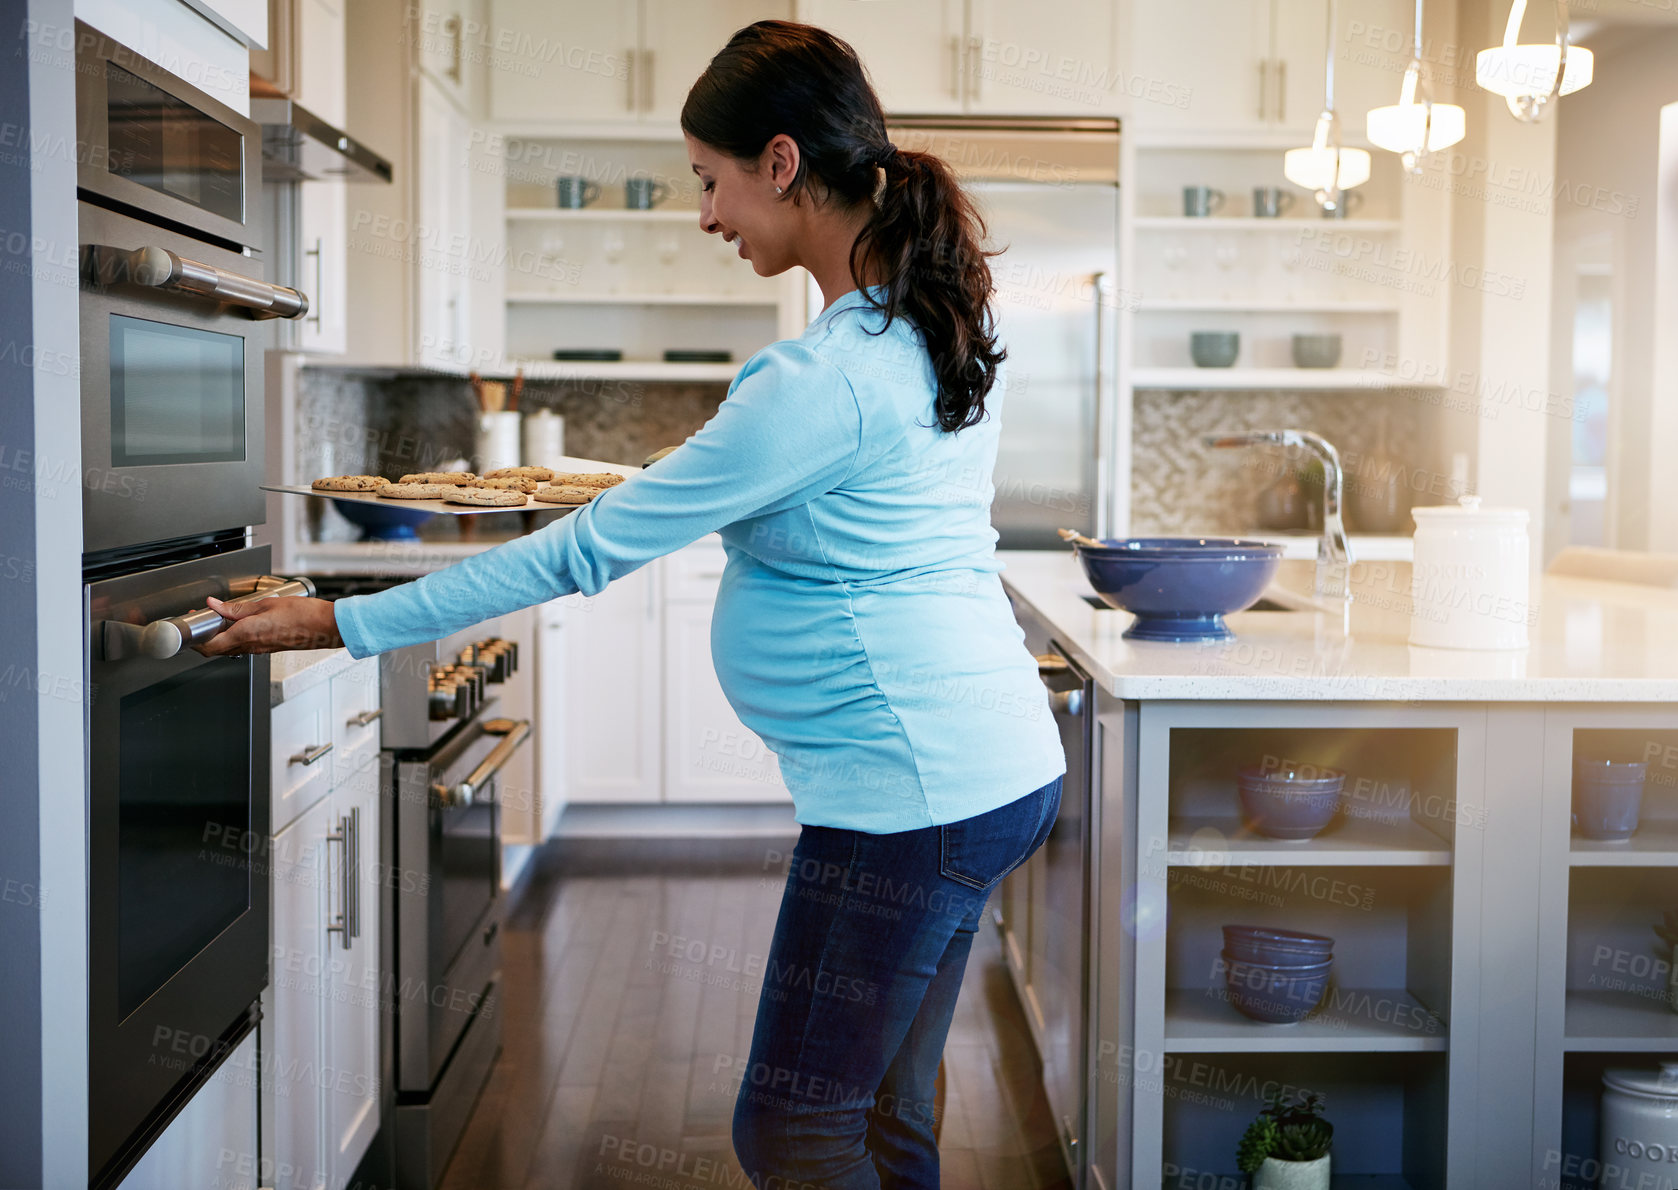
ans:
(1049, 192)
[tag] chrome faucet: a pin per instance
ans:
(1334, 552)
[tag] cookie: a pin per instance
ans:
(448, 477)
(349, 483)
(511, 484)
(540, 473)
(565, 493)
(416, 491)
(494, 497)
(588, 479)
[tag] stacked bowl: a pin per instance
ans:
(1292, 802)
(1276, 976)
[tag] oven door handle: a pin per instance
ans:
(465, 793)
(160, 268)
(163, 639)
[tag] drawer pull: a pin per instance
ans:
(310, 755)
(366, 717)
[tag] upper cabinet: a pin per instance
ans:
(608, 61)
(1258, 65)
(304, 60)
(450, 43)
(996, 57)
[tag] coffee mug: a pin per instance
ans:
(1350, 200)
(1270, 201)
(576, 191)
(1201, 201)
(643, 194)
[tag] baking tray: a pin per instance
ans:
(531, 504)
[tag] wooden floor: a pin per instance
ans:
(621, 1058)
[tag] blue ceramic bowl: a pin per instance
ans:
(1180, 588)
(1289, 803)
(1276, 948)
(383, 522)
(1607, 798)
(1275, 995)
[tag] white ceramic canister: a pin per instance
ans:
(1640, 1128)
(497, 441)
(544, 438)
(1470, 583)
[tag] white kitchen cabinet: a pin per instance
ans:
(551, 722)
(300, 755)
(916, 51)
(610, 61)
(441, 229)
(678, 40)
(305, 56)
(1053, 57)
(323, 1029)
(450, 44)
(323, 254)
(615, 739)
(1258, 65)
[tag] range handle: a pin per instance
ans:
(466, 792)
(159, 268)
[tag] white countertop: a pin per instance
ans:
(291, 673)
(1593, 642)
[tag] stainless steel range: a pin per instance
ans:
(445, 748)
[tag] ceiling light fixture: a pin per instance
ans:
(1416, 126)
(1325, 166)
(1531, 77)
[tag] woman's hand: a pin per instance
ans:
(273, 625)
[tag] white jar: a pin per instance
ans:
(1640, 1127)
(1470, 582)
(544, 438)
(497, 441)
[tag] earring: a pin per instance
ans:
(777, 190)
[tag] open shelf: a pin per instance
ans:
(1316, 379)
(1622, 1022)
(1654, 844)
(629, 369)
(1195, 841)
(1269, 306)
(637, 299)
(599, 214)
(1388, 1111)
(1349, 1020)
(1248, 223)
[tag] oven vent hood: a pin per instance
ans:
(298, 146)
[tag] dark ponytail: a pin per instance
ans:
(924, 239)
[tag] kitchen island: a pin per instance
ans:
(1488, 964)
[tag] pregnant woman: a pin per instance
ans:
(861, 629)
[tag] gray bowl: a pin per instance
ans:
(1214, 349)
(1316, 351)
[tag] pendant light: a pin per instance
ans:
(1416, 126)
(1530, 76)
(1325, 166)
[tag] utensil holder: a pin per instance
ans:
(497, 441)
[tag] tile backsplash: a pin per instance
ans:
(389, 423)
(1179, 485)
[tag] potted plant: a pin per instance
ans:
(1286, 1147)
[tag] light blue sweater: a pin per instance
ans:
(860, 629)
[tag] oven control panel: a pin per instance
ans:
(455, 689)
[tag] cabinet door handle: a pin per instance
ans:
(647, 80)
(317, 252)
(1264, 87)
(1282, 90)
(310, 755)
(975, 71)
(339, 923)
(352, 879)
(629, 80)
(366, 717)
(955, 68)
(455, 24)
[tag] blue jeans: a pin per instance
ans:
(860, 987)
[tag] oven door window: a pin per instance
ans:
(185, 772)
(177, 394)
(170, 146)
